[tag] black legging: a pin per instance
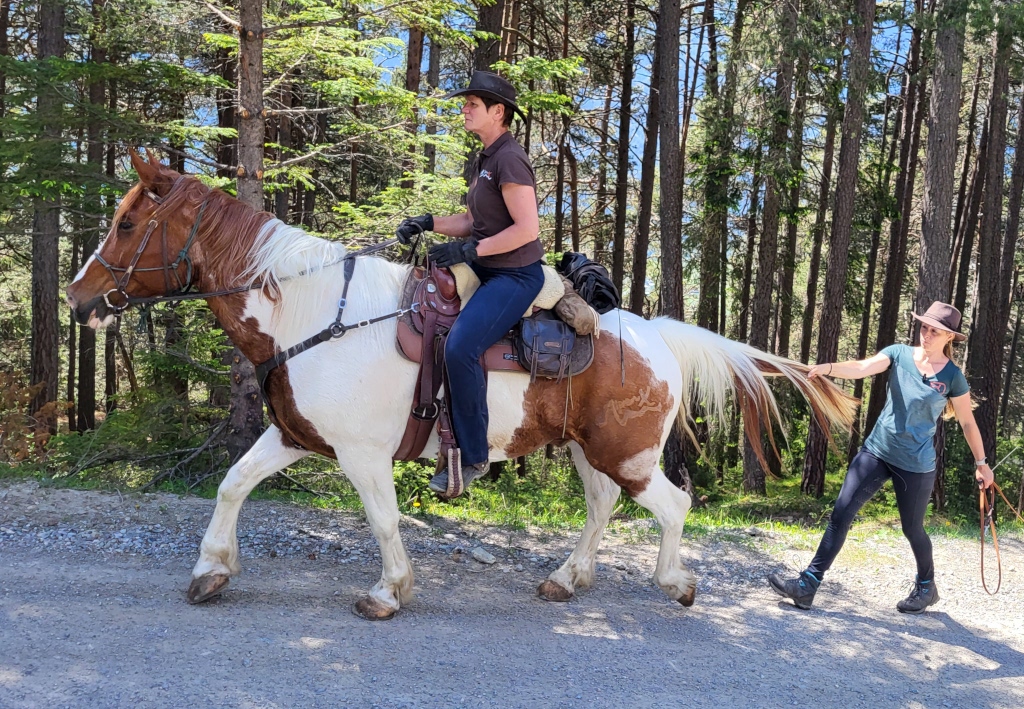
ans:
(865, 477)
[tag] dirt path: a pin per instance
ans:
(92, 614)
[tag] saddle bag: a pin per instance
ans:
(548, 347)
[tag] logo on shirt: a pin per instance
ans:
(938, 386)
(486, 174)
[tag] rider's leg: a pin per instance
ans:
(498, 304)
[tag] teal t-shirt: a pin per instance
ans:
(903, 434)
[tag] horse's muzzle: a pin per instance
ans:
(93, 313)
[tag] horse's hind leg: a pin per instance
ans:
(669, 505)
(218, 553)
(578, 569)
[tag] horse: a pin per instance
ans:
(271, 285)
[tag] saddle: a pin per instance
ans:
(542, 345)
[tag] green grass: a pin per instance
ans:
(549, 497)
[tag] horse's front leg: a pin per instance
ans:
(218, 553)
(578, 569)
(372, 475)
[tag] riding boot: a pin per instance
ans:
(439, 483)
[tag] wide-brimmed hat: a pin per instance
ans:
(943, 316)
(489, 85)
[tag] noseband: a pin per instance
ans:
(167, 267)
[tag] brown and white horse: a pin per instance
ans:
(349, 398)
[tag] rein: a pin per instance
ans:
(335, 331)
(987, 507)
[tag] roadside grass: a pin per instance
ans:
(548, 498)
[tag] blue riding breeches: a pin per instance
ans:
(498, 304)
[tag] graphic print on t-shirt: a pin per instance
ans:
(938, 386)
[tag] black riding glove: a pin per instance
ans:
(452, 252)
(411, 227)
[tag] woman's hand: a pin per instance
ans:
(820, 370)
(983, 474)
(450, 253)
(411, 227)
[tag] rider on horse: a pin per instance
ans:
(497, 236)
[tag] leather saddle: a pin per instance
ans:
(541, 345)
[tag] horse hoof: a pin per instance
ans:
(551, 591)
(372, 609)
(688, 598)
(206, 587)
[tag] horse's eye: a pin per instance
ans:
(126, 226)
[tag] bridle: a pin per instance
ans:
(121, 277)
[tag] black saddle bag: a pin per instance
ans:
(548, 347)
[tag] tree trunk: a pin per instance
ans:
(560, 188)
(671, 211)
(881, 202)
(747, 276)
(5, 49)
(509, 34)
(670, 197)
(413, 65)
(86, 399)
(969, 225)
(940, 162)
(638, 286)
(813, 482)
(964, 174)
(574, 198)
(796, 161)
(818, 230)
(45, 347)
(1012, 230)
(896, 265)
(488, 50)
(986, 346)
(1010, 362)
(622, 157)
(721, 112)
(775, 178)
(246, 416)
(433, 80)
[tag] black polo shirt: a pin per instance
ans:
(503, 162)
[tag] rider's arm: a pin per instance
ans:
(965, 415)
(457, 225)
(521, 202)
(853, 369)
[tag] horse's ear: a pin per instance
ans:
(148, 171)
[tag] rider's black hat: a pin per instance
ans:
(489, 85)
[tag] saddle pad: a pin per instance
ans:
(550, 293)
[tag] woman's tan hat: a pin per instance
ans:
(944, 317)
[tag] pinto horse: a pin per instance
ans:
(272, 285)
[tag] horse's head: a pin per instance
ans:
(147, 251)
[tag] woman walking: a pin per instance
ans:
(923, 382)
(498, 237)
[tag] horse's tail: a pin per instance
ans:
(714, 366)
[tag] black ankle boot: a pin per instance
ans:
(439, 483)
(800, 590)
(922, 595)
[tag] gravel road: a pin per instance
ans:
(92, 614)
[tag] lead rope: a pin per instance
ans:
(987, 508)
